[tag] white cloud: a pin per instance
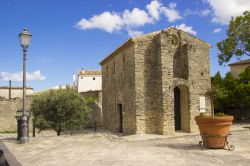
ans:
(136, 18)
(106, 21)
(18, 76)
(205, 12)
(130, 20)
(223, 10)
(111, 22)
(188, 12)
(133, 33)
(171, 13)
(216, 30)
(188, 29)
(154, 9)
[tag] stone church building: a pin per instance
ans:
(153, 83)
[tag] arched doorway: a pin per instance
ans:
(177, 108)
(182, 108)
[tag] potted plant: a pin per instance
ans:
(214, 129)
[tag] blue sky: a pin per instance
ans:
(70, 35)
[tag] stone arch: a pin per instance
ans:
(180, 58)
(184, 102)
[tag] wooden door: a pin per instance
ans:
(177, 108)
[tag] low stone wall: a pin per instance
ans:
(96, 112)
(16, 92)
(8, 110)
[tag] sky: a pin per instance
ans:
(68, 35)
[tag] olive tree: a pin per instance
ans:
(60, 110)
(237, 42)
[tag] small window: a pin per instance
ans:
(114, 68)
(124, 62)
(107, 71)
(175, 40)
(93, 78)
(81, 77)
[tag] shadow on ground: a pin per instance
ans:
(9, 139)
(180, 146)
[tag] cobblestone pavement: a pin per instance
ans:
(105, 149)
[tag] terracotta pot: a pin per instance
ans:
(214, 130)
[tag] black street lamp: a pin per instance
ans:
(25, 38)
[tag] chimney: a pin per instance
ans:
(9, 89)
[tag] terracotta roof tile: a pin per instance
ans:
(90, 72)
(243, 62)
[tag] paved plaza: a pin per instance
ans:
(106, 149)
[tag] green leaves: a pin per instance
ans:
(242, 95)
(245, 76)
(231, 92)
(60, 110)
(217, 80)
(238, 39)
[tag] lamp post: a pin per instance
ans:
(25, 38)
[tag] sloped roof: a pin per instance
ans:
(243, 62)
(131, 40)
(90, 72)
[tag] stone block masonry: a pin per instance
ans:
(96, 108)
(153, 83)
(8, 110)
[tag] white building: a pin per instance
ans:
(88, 80)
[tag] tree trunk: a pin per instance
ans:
(58, 132)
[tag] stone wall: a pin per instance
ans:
(7, 115)
(96, 108)
(16, 92)
(148, 85)
(118, 88)
(185, 65)
(159, 62)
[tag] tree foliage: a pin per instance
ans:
(232, 92)
(237, 42)
(60, 110)
(217, 80)
(241, 97)
(245, 76)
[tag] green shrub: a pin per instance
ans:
(220, 114)
(60, 110)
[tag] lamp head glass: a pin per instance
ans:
(25, 38)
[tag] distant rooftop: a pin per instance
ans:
(90, 72)
(243, 62)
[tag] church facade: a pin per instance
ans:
(154, 83)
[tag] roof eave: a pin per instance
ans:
(124, 45)
(238, 64)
